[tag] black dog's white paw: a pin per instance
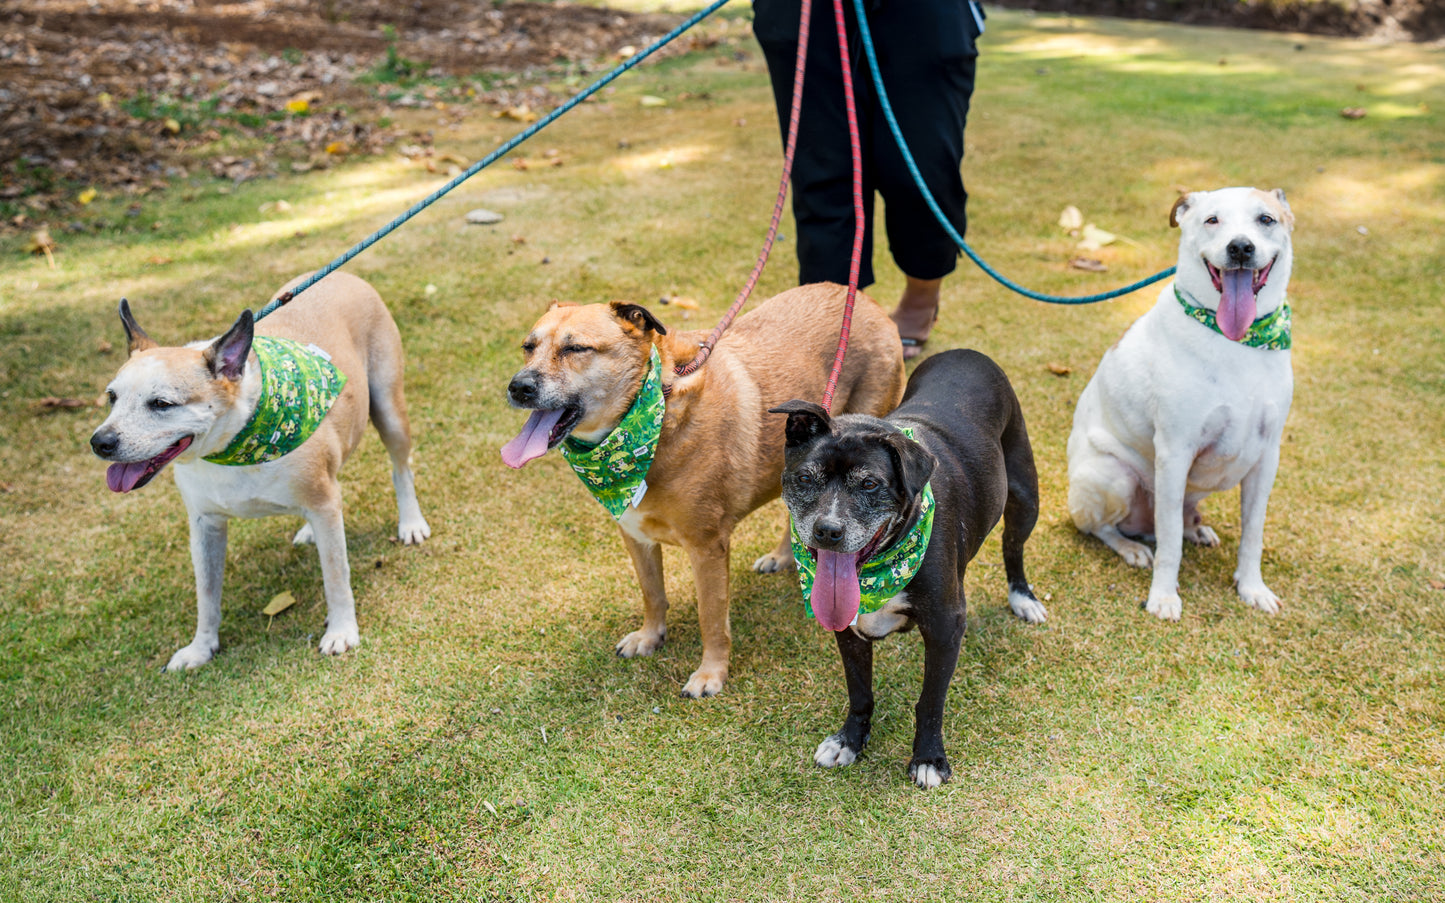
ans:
(930, 773)
(834, 752)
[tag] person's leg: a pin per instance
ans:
(927, 55)
(822, 180)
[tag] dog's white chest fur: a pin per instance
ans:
(260, 490)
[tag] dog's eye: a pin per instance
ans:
(110, 396)
(1266, 220)
(1212, 221)
(806, 479)
(529, 347)
(159, 404)
(576, 349)
(869, 484)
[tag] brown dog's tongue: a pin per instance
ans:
(836, 596)
(532, 441)
(1236, 303)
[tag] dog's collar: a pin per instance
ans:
(299, 384)
(887, 573)
(615, 469)
(1270, 332)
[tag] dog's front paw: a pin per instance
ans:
(1026, 607)
(641, 642)
(192, 656)
(834, 752)
(930, 773)
(704, 682)
(413, 532)
(1202, 535)
(1165, 606)
(772, 563)
(1257, 595)
(335, 642)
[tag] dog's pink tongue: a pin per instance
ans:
(836, 596)
(1236, 303)
(123, 477)
(531, 442)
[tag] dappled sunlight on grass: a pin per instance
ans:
(663, 158)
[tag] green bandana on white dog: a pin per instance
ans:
(1270, 332)
(615, 469)
(299, 384)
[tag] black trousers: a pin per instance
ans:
(927, 55)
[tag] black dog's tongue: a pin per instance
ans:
(836, 596)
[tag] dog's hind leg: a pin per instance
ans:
(208, 556)
(388, 413)
(842, 748)
(1101, 493)
(1020, 514)
(1195, 529)
(647, 562)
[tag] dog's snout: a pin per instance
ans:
(523, 388)
(1241, 251)
(104, 443)
(827, 531)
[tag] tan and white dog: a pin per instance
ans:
(1180, 409)
(720, 454)
(183, 404)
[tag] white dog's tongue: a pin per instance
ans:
(1236, 303)
(123, 477)
(836, 595)
(531, 442)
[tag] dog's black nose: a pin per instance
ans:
(1241, 251)
(523, 389)
(827, 531)
(105, 444)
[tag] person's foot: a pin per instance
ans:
(916, 313)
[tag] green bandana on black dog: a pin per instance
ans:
(615, 469)
(298, 386)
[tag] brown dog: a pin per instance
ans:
(720, 455)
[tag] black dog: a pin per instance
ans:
(855, 486)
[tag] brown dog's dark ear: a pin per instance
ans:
(226, 357)
(638, 316)
(1181, 206)
(135, 337)
(806, 421)
(912, 463)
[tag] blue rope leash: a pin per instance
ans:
(491, 158)
(938, 212)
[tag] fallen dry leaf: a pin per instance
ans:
(1353, 112)
(279, 603)
(55, 403)
(1058, 369)
(1071, 218)
(158, 260)
(1089, 264)
(42, 243)
(1094, 238)
(651, 100)
(86, 196)
(680, 301)
(522, 114)
(1436, 584)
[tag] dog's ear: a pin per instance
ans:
(135, 337)
(638, 316)
(1180, 208)
(912, 463)
(1288, 217)
(556, 304)
(806, 421)
(226, 357)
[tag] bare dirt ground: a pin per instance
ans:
(120, 95)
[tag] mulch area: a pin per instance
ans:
(123, 96)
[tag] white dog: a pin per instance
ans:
(259, 422)
(1193, 399)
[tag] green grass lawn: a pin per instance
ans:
(484, 742)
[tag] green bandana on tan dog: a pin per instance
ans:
(882, 576)
(1270, 332)
(615, 469)
(298, 386)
